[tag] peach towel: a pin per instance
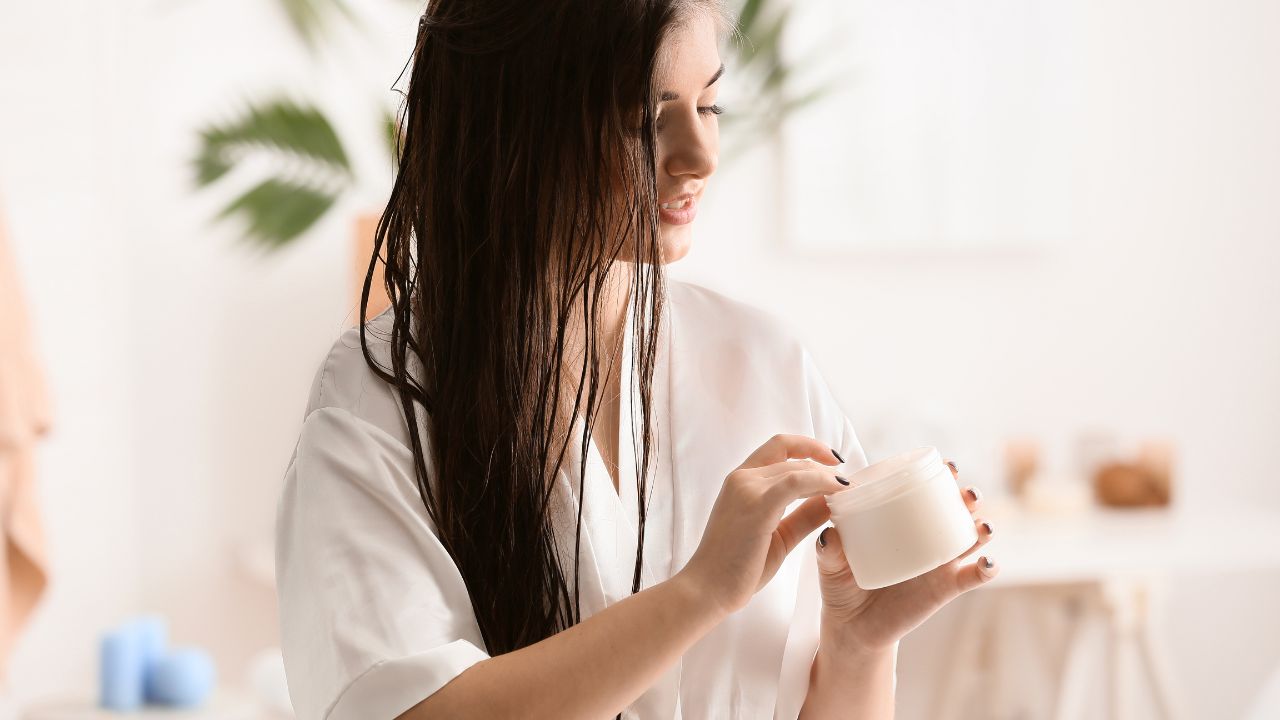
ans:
(24, 417)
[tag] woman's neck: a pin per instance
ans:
(609, 320)
(609, 325)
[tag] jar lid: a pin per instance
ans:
(884, 478)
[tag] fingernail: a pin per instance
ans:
(952, 465)
(833, 452)
(841, 480)
(822, 536)
(987, 525)
(986, 562)
(973, 493)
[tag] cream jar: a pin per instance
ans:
(900, 518)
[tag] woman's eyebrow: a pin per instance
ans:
(668, 95)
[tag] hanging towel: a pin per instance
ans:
(24, 417)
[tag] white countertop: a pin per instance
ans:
(1098, 543)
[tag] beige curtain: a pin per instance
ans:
(24, 417)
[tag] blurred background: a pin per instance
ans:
(1043, 236)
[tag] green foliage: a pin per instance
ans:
(280, 210)
(280, 125)
(309, 17)
(391, 135)
(769, 79)
(311, 169)
(297, 138)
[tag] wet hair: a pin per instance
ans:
(526, 171)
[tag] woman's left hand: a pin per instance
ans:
(871, 620)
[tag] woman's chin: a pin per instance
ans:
(676, 241)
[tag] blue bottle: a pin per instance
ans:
(121, 670)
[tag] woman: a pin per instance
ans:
(496, 561)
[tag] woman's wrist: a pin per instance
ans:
(854, 634)
(692, 593)
(852, 652)
(849, 680)
(855, 655)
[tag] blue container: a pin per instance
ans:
(121, 670)
(183, 678)
(153, 636)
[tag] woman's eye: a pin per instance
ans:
(702, 110)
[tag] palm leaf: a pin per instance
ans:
(807, 98)
(391, 134)
(764, 38)
(282, 126)
(747, 17)
(302, 142)
(279, 210)
(309, 18)
(770, 76)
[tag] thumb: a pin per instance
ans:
(835, 577)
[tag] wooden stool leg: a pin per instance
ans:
(964, 654)
(1075, 663)
(1152, 657)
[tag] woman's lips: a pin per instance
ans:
(680, 216)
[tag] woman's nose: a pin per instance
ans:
(692, 150)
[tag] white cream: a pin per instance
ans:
(900, 518)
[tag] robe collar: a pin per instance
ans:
(609, 517)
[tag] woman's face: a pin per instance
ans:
(687, 76)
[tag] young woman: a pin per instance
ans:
(547, 482)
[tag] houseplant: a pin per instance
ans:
(310, 168)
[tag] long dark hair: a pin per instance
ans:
(527, 163)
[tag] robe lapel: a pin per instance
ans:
(609, 517)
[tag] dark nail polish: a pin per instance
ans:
(841, 480)
(987, 525)
(952, 465)
(833, 452)
(822, 537)
(986, 562)
(973, 493)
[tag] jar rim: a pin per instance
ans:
(883, 478)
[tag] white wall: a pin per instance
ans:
(179, 362)
(56, 177)
(1160, 316)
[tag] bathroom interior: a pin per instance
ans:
(1042, 237)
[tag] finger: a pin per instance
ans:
(781, 468)
(979, 573)
(955, 472)
(803, 520)
(972, 498)
(984, 536)
(801, 484)
(835, 577)
(781, 447)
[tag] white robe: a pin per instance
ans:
(374, 614)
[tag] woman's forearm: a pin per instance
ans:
(850, 683)
(591, 670)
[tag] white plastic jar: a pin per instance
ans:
(900, 518)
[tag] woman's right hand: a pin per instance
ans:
(747, 538)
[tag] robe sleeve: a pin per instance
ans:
(374, 614)
(830, 422)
